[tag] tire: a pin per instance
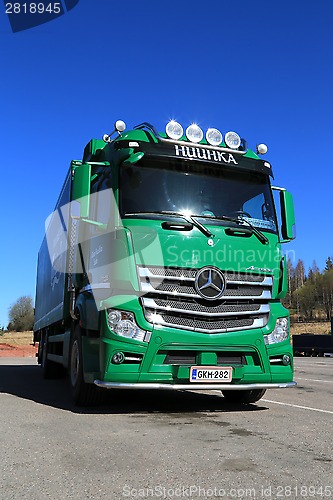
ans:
(83, 394)
(50, 369)
(244, 397)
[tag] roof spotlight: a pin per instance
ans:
(174, 130)
(214, 136)
(262, 149)
(232, 140)
(194, 133)
(119, 127)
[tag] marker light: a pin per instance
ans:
(262, 149)
(120, 126)
(194, 133)
(232, 140)
(214, 136)
(174, 130)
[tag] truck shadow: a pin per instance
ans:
(25, 381)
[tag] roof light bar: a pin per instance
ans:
(214, 138)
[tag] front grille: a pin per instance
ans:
(171, 299)
(231, 359)
(200, 308)
(183, 357)
(206, 325)
(179, 358)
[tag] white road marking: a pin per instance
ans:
(313, 362)
(296, 406)
(314, 380)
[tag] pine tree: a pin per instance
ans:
(329, 264)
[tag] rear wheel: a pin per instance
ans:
(83, 394)
(244, 397)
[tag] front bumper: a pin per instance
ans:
(192, 387)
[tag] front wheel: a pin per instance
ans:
(83, 394)
(244, 397)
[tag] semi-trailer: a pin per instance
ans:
(309, 344)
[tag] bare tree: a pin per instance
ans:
(21, 315)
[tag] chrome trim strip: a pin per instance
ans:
(144, 272)
(148, 288)
(151, 304)
(203, 146)
(257, 323)
(268, 281)
(192, 387)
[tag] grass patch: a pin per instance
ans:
(17, 338)
(317, 328)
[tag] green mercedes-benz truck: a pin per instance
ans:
(161, 267)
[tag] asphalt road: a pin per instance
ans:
(165, 445)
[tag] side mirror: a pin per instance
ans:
(288, 225)
(81, 187)
(134, 158)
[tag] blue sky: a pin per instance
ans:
(257, 67)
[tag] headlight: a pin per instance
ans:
(280, 332)
(114, 316)
(123, 324)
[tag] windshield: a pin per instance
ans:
(196, 189)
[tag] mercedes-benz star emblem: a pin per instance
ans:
(210, 283)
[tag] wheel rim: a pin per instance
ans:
(75, 363)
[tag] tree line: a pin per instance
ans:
(310, 295)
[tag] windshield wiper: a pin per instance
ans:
(191, 218)
(261, 237)
(188, 218)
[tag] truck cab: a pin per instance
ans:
(174, 272)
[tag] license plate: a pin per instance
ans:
(211, 374)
